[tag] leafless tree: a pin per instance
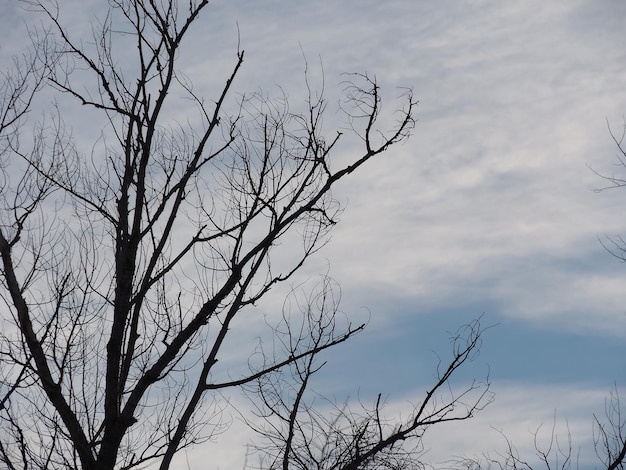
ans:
(554, 453)
(557, 452)
(124, 269)
(610, 434)
(297, 435)
(617, 245)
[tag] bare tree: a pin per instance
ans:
(557, 452)
(124, 269)
(615, 246)
(296, 434)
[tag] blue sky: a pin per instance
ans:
(488, 209)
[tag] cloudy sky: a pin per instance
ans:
(489, 209)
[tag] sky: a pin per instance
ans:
(489, 210)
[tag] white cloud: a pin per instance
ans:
(494, 184)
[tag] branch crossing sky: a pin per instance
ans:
(489, 209)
